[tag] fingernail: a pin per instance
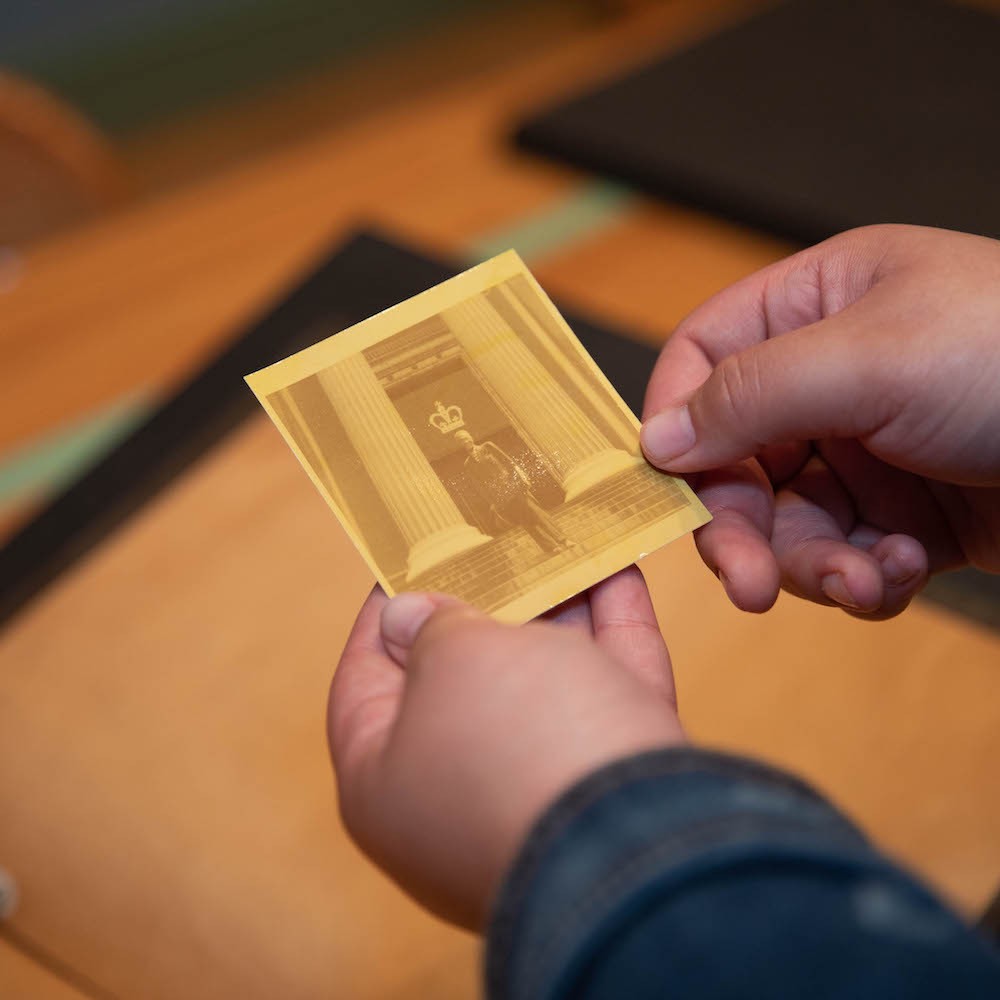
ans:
(895, 571)
(834, 587)
(668, 435)
(403, 617)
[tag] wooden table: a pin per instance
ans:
(166, 797)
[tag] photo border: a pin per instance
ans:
(398, 318)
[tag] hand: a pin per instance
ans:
(843, 406)
(451, 733)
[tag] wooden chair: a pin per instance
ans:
(56, 169)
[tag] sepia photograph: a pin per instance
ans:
(469, 445)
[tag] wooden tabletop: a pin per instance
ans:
(167, 802)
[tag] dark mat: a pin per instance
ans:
(812, 118)
(365, 275)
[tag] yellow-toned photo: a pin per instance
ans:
(469, 445)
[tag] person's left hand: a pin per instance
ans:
(451, 733)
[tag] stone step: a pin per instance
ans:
(484, 575)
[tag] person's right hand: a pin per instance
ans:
(842, 408)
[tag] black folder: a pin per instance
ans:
(811, 118)
(362, 276)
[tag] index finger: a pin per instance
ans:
(365, 692)
(625, 626)
(727, 323)
(784, 296)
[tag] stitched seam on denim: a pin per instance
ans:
(614, 777)
(537, 962)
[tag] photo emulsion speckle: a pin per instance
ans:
(469, 445)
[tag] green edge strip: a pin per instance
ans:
(43, 466)
(589, 209)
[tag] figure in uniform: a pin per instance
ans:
(504, 488)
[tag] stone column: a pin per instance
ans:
(426, 515)
(615, 418)
(553, 424)
(310, 447)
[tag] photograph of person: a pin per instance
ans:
(470, 446)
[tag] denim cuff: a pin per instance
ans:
(643, 826)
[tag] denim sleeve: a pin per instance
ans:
(688, 873)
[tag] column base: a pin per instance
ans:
(443, 544)
(597, 468)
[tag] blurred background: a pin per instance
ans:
(182, 185)
(107, 106)
(177, 88)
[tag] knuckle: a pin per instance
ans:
(361, 779)
(636, 630)
(737, 380)
(353, 811)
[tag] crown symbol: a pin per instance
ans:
(446, 418)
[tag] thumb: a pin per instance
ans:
(815, 382)
(412, 616)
